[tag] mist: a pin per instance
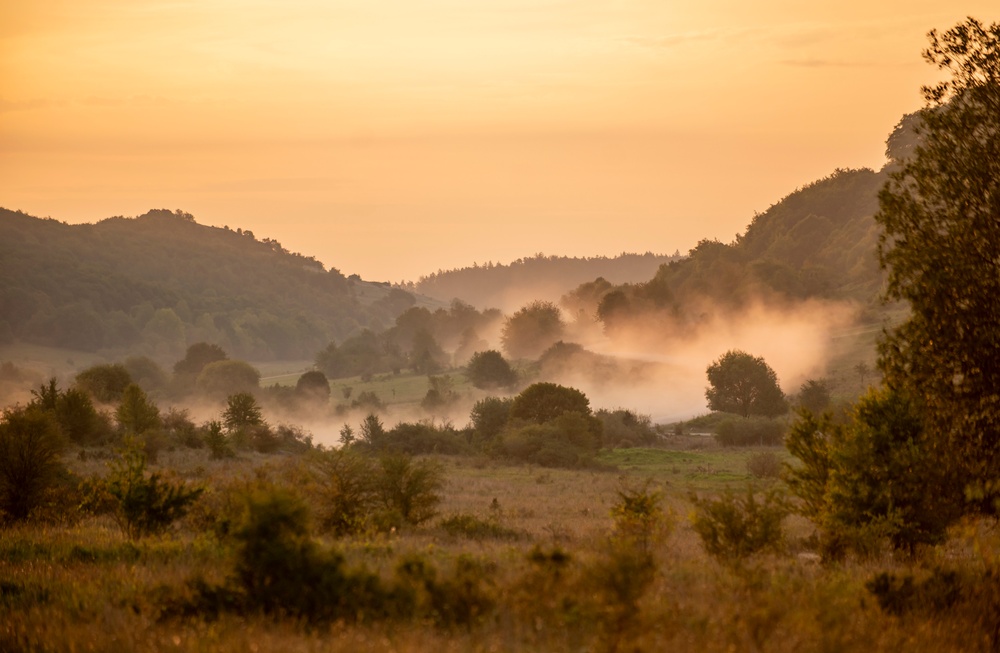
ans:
(658, 369)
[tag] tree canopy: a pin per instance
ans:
(940, 212)
(744, 384)
(542, 402)
(532, 329)
(489, 369)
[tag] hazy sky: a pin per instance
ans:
(394, 138)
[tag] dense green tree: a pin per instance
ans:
(745, 385)
(532, 329)
(868, 480)
(313, 388)
(489, 369)
(223, 378)
(159, 281)
(940, 213)
(136, 414)
(489, 417)
(542, 402)
(105, 383)
(30, 445)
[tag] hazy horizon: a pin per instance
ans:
(394, 140)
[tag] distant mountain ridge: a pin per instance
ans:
(508, 286)
(157, 282)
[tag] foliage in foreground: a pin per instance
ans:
(867, 481)
(141, 504)
(733, 528)
(941, 247)
(30, 445)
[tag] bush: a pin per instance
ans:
(488, 418)
(140, 504)
(409, 489)
(625, 428)
(461, 599)
(368, 400)
(281, 571)
(733, 528)
(750, 431)
(345, 490)
(866, 482)
(477, 528)
(764, 464)
(30, 445)
(638, 518)
(423, 438)
(218, 443)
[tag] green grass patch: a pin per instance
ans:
(709, 471)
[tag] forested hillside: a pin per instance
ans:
(508, 286)
(157, 282)
(817, 243)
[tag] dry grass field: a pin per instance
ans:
(544, 563)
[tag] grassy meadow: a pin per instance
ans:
(523, 558)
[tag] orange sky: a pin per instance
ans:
(393, 138)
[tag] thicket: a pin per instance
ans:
(750, 431)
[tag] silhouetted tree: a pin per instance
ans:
(532, 329)
(223, 378)
(30, 445)
(105, 383)
(136, 413)
(242, 411)
(197, 357)
(745, 385)
(941, 246)
(489, 369)
(542, 402)
(313, 387)
(814, 396)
